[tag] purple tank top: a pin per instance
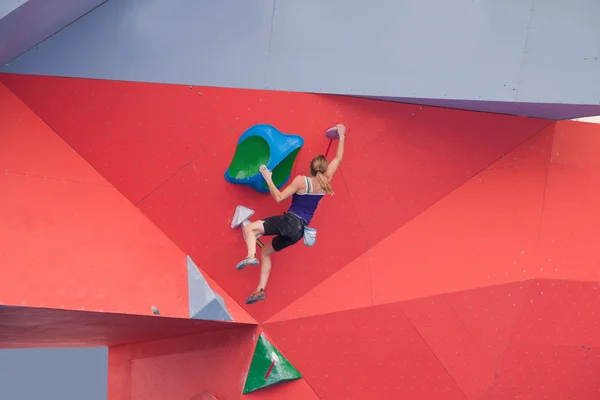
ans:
(304, 205)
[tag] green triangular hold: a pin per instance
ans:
(268, 367)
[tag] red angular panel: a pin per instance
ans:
(75, 242)
(183, 367)
(373, 352)
(577, 144)
(292, 390)
(119, 373)
(347, 289)
(534, 152)
(533, 372)
(569, 227)
(569, 224)
(418, 161)
(453, 345)
(560, 313)
(77, 246)
(491, 313)
(135, 134)
(484, 233)
(29, 147)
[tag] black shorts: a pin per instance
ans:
(288, 228)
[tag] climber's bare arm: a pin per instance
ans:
(289, 190)
(335, 163)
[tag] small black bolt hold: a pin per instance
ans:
(155, 310)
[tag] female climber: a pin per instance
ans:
(288, 229)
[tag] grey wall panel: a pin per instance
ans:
(39, 19)
(61, 374)
(8, 6)
(562, 62)
(8, 27)
(483, 53)
(200, 42)
(460, 49)
(464, 49)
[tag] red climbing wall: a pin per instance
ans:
(426, 281)
(68, 238)
(166, 147)
(570, 223)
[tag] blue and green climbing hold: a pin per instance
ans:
(263, 144)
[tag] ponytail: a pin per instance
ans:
(324, 182)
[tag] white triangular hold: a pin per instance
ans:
(241, 214)
(204, 303)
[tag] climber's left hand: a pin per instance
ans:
(266, 173)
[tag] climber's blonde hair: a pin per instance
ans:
(318, 167)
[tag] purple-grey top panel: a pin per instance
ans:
(434, 48)
(8, 6)
(538, 110)
(8, 26)
(36, 20)
(199, 42)
(461, 49)
(479, 53)
(562, 60)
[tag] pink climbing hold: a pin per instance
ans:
(332, 133)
